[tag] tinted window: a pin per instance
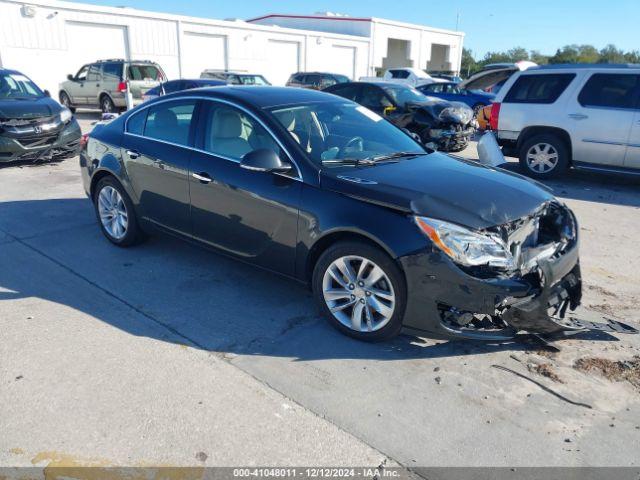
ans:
(112, 72)
(312, 80)
(231, 133)
(433, 88)
(135, 123)
(173, 86)
(373, 97)
(610, 90)
(349, 92)
(538, 88)
(170, 122)
(399, 73)
(327, 81)
(144, 72)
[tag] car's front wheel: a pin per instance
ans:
(115, 213)
(361, 290)
(107, 105)
(66, 101)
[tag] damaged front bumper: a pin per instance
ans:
(55, 145)
(452, 138)
(449, 301)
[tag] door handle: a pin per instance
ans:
(133, 154)
(202, 177)
(578, 116)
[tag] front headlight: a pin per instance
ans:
(465, 246)
(65, 115)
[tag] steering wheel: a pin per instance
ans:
(356, 143)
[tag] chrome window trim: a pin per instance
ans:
(298, 178)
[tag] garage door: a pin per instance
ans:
(88, 42)
(201, 52)
(343, 60)
(283, 59)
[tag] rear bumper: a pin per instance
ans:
(436, 287)
(65, 145)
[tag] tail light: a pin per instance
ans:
(495, 113)
(122, 87)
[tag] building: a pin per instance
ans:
(49, 39)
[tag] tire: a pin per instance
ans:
(381, 313)
(554, 160)
(66, 102)
(132, 233)
(107, 105)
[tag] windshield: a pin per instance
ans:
(402, 94)
(253, 80)
(16, 85)
(336, 130)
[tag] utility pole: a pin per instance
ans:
(457, 20)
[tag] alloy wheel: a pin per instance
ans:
(113, 212)
(358, 293)
(106, 105)
(542, 158)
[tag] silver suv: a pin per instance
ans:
(560, 116)
(104, 84)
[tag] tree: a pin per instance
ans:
(469, 65)
(632, 57)
(610, 54)
(537, 57)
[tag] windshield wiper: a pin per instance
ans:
(393, 156)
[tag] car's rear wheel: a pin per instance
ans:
(115, 213)
(361, 290)
(66, 101)
(544, 156)
(107, 105)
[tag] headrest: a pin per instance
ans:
(226, 124)
(166, 119)
(287, 118)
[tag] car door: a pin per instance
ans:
(632, 157)
(156, 149)
(250, 214)
(75, 88)
(600, 117)
(92, 85)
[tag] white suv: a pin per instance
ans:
(560, 116)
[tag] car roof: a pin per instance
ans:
(587, 66)
(260, 96)
(6, 70)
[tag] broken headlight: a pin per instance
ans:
(65, 115)
(465, 246)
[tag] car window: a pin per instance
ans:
(253, 80)
(434, 88)
(402, 94)
(399, 73)
(327, 81)
(173, 86)
(312, 80)
(82, 73)
(349, 92)
(373, 97)
(170, 122)
(94, 73)
(231, 133)
(543, 88)
(135, 123)
(16, 85)
(341, 78)
(112, 72)
(452, 89)
(326, 131)
(610, 90)
(143, 72)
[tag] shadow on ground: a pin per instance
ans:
(201, 298)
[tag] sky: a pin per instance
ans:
(492, 25)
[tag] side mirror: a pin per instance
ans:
(47, 93)
(264, 160)
(70, 77)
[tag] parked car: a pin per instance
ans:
(315, 80)
(33, 126)
(476, 99)
(104, 84)
(235, 78)
(324, 191)
(409, 76)
(493, 76)
(172, 86)
(446, 125)
(583, 116)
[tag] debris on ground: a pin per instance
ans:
(615, 371)
(546, 370)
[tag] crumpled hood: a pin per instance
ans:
(31, 108)
(442, 187)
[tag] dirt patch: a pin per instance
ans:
(546, 370)
(601, 291)
(615, 371)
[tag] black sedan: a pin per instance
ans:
(325, 191)
(173, 86)
(444, 125)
